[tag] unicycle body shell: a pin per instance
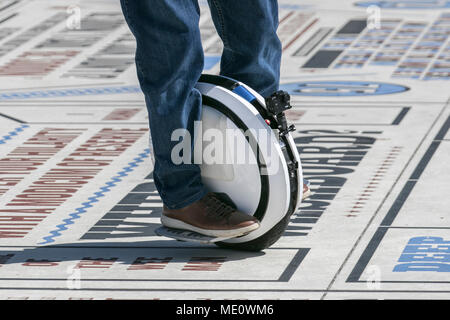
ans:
(269, 188)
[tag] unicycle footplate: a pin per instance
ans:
(187, 235)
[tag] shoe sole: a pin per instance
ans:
(178, 224)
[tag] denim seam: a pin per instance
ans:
(222, 26)
(140, 67)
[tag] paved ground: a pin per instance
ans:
(371, 106)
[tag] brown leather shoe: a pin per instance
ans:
(213, 215)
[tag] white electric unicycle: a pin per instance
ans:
(263, 177)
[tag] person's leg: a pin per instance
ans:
(252, 50)
(169, 62)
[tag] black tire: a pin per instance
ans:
(275, 233)
(264, 241)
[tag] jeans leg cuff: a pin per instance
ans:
(188, 201)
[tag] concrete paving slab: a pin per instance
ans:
(371, 108)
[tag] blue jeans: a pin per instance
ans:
(169, 62)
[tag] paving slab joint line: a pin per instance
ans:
(427, 134)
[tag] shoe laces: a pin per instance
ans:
(217, 206)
